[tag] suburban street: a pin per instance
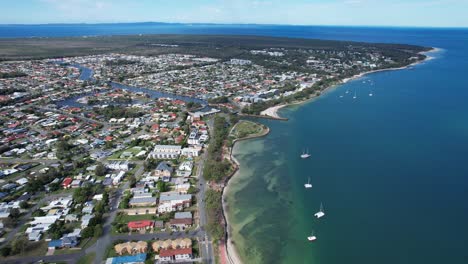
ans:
(101, 245)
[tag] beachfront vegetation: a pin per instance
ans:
(218, 46)
(216, 168)
(214, 213)
(315, 90)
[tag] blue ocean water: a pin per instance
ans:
(391, 169)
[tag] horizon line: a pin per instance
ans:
(231, 24)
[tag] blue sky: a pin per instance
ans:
(431, 13)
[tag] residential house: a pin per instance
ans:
(140, 225)
(182, 188)
(75, 184)
(131, 248)
(165, 152)
(119, 165)
(164, 170)
(85, 220)
(185, 169)
(191, 152)
(88, 208)
(145, 201)
(172, 201)
(140, 211)
(179, 254)
(181, 223)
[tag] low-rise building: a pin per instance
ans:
(179, 254)
(172, 201)
(145, 201)
(140, 225)
(165, 152)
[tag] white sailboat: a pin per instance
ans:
(312, 237)
(354, 97)
(305, 154)
(347, 91)
(320, 213)
(371, 94)
(308, 185)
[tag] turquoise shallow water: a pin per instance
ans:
(391, 170)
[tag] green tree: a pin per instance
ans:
(5, 251)
(19, 245)
(82, 194)
(15, 213)
(100, 169)
(98, 230)
(192, 190)
(132, 181)
(162, 186)
(63, 150)
(24, 205)
(87, 232)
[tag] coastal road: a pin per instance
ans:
(19, 160)
(206, 244)
(67, 258)
(105, 240)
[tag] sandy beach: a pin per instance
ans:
(273, 111)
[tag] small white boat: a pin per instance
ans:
(308, 185)
(341, 96)
(305, 154)
(320, 213)
(347, 91)
(354, 97)
(312, 237)
(371, 94)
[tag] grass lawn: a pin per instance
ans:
(133, 150)
(65, 251)
(124, 218)
(86, 243)
(34, 249)
(63, 191)
(247, 128)
(88, 259)
(110, 252)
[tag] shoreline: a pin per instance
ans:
(232, 254)
(272, 112)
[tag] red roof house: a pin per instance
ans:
(174, 252)
(67, 182)
(139, 225)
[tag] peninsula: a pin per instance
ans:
(119, 147)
